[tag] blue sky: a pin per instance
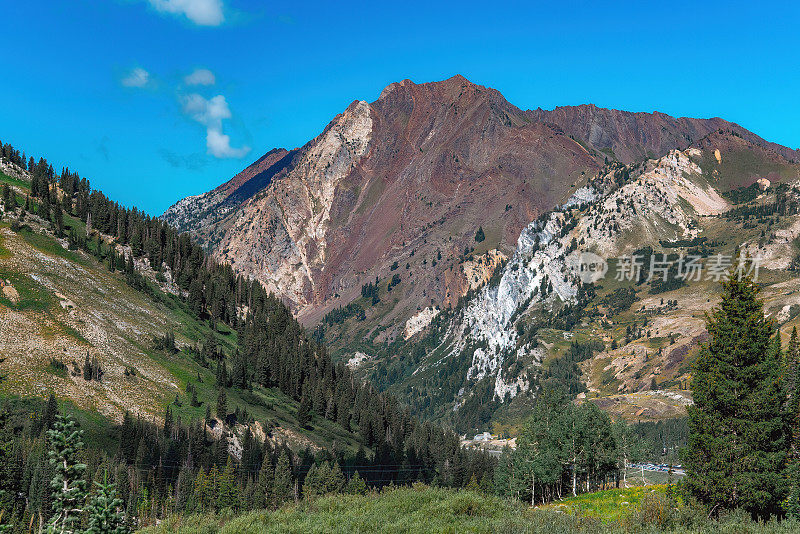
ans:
(104, 86)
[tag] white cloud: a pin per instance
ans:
(210, 113)
(201, 12)
(200, 77)
(219, 145)
(137, 77)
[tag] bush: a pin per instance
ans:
(655, 509)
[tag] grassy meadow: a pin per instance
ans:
(422, 509)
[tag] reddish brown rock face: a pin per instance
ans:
(630, 137)
(403, 179)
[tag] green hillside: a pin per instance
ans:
(69, 304)
(193, 387)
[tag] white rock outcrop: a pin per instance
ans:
(419, 321)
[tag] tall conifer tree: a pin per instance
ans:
(737, 425)
(68, 484)
(283, 484)
(793, 399)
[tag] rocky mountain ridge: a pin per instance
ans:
(407, 179)
(630, 137)
(413, 174)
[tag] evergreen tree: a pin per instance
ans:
(737, 426)
(9, 483)
(68, 483)
(335, 481)
(105, 510)
(44, 206)
(314, 485)
(222, 405)
(283, 486)
(239, 375)
(201, 491)
(58, 220)
(793, 410)
(168, 423)
(7, 196)
(356, 485)
(264, 485)
(87, 368)
(50, 413)
(792, 373)
(227, 494)
(304, 411)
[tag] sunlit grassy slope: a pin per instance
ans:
(65, 304)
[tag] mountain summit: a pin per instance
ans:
(406, 186)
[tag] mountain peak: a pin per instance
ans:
(446, 86)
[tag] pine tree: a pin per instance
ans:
(68, 483)
(222, 405)
(793, 411)
(335, 482)
(283, 486)
(105, 510)
(737, 426)
(313, 485)
(9, 482)
(356, 485)
(58, 220)
(44, 205)
(50, 413)
(304, 411)
(6, 196)
(239, 374)
(264, 486)
(168, 423)
(87, 368)
(227, 493)
(792, 372)
(201, 491)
